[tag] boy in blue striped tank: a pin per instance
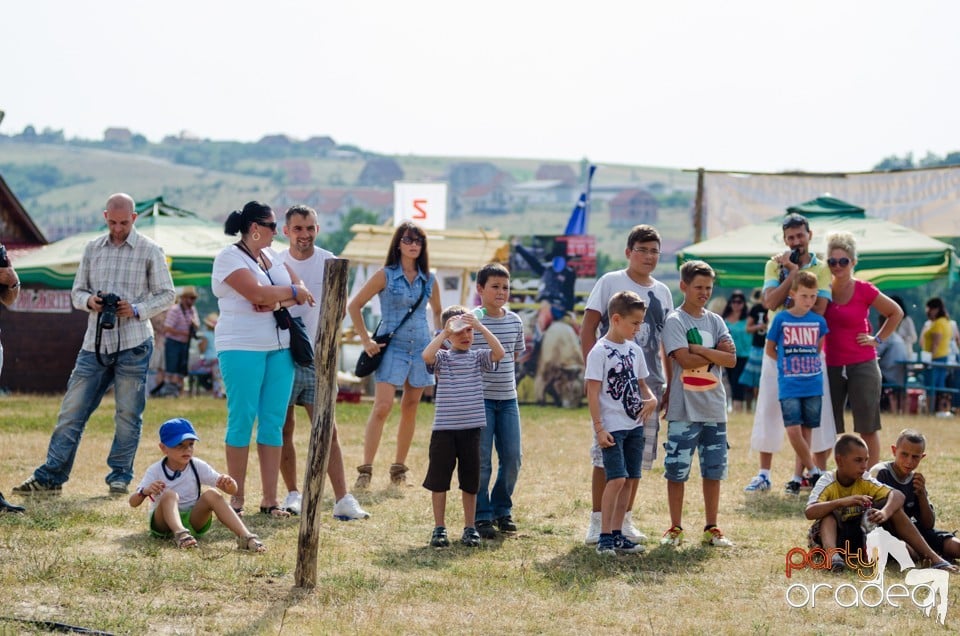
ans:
(460, 415)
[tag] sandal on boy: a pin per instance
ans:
(184, 540)
(274, 511)
(251, 542)
(946, 565)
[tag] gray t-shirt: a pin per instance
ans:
(659, 303)
(696, 395)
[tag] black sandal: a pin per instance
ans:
(275, 512)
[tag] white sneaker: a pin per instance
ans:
(630, 531)
(348, 509)
(293, 503)
(593, 531)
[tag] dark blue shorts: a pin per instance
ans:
(624, 457)
(803, 411)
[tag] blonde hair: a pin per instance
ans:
(842, 241)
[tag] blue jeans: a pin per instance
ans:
(88, 382)
(502, 430)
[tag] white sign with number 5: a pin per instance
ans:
(423, 203)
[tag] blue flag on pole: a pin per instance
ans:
(578, 218)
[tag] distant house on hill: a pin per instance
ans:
(275, 140)
(468, 174)
(542, 192)
(320, 145)
(633, 206)
(556, 172)
(380, 172)
(333, 204)
(487, 198)
(118, 136)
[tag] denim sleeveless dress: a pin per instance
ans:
(402, 360)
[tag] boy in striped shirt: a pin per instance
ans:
(459, 417)
(495, 500)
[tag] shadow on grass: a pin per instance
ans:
(769, 505)
(581, 567)
(425, 557)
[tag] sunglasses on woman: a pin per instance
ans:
(270, 225)
(411, 240)
(842, 262)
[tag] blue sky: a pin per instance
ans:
(764, 86)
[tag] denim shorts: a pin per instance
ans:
(803, 411)
(624, 457)
(709, 439)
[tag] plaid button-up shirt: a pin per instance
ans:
(137, 272)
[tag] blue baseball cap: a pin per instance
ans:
(174, 431)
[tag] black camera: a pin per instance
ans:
(4, 261)
(108, 314)
(795, 256)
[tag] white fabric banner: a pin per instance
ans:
(924, 200)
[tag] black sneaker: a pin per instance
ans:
(605, 545)
(506, 524)
(486, 530)
(439, 538)
(811, 480)
(31, 486)
(792, 487)
(623, 545)
(837, 564)
(470, 538)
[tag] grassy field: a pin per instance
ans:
(86, 559)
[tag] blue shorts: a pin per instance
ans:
(803, 411)
(304, 386)
(709, 439)
(624, 457)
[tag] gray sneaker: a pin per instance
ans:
(31, 486)
(119, 488)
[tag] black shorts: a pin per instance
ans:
(936, 538)
(849, 535)
(448, 449)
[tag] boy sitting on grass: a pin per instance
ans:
(178, 509)
(901, 474)
(839, 500)
(460, 414)
(619, 400)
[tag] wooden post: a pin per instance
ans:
(698, 209)
(326, 361)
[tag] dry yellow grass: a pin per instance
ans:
(86, 559)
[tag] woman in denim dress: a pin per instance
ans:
(399, 283)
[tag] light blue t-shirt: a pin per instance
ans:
(799, 369)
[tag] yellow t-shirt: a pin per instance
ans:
(771, 278)
(829, 489)
(941, 326)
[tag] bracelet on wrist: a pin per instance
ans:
(293, 288)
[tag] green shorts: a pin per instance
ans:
(185, 520)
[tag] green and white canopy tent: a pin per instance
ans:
(189, 242)
(890, 255)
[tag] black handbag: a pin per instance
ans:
(367, 364)
(300, 348)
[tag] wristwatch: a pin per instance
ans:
(878, 339)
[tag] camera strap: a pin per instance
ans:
(96, 346)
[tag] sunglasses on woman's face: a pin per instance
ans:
(411, 240)
(842, 262)
(270, 225)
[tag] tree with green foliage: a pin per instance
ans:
(336, 241)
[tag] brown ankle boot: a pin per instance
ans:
(398, 474)
(363, 479)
